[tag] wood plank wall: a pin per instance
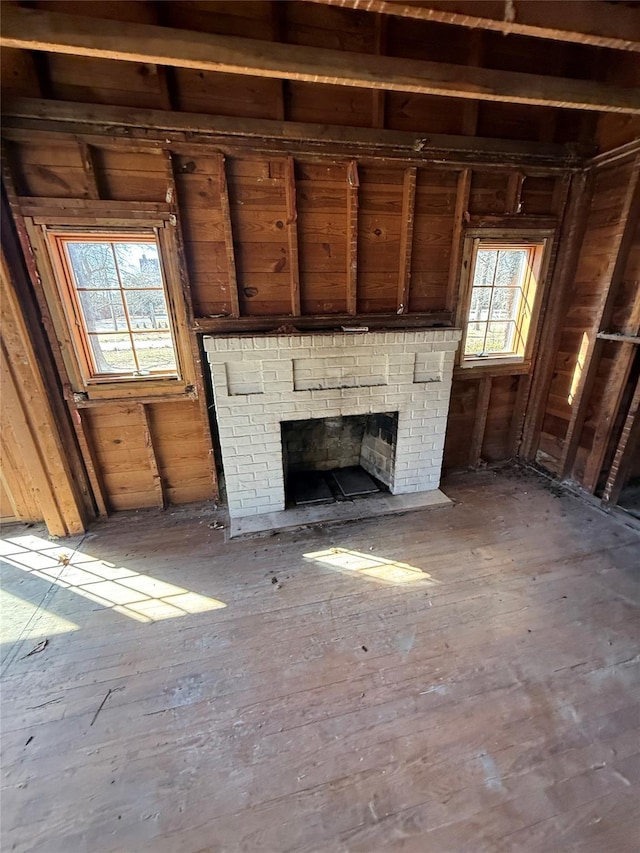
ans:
(590, 375)
(304, 235)
(236, 216)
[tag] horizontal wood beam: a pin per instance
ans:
(618, 336)
(233, 325)
(145, 130)
(580, 21)
(55, 32)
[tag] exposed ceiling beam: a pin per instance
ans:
(54, 32)
(590, 22)
(158, 128)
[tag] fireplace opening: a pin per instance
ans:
(337, 459)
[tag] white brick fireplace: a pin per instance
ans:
(259, 382)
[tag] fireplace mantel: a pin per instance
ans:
(261, 381)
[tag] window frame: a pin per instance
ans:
(540, 243)
(47, 238)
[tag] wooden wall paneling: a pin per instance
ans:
(126, 175)
(623, 459)
(197, 178)
(480, 422)
(432, 239)
(116, 432)
(353, 184)
(460, 424)
(8, 511)
(292, 234)
(618, 244)
(228, 238)
(380, 233)
(497, 442)
(406, 237)
(461, 210)
(258, 204)
(181, 448)
(572, 231)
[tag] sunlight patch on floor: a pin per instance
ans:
(18, 613)
(141, 597)
(379, 568)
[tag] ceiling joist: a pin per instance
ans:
(54, 32)
(591, 22)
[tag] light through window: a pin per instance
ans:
(118, 300)
(496, 299)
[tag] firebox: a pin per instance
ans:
(339, 458)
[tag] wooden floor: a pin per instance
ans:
(482, 696)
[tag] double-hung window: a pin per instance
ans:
(501, 296)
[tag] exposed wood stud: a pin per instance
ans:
(406, 238)
(627, 445)
(619, 337)
(513, 203)
(518, 414)
(479, 425)
(352, 237)
(612, 278)
(292, 234)
(228, 239)
(94, 470)
(462, 203)
(34, 29)
(151, 455)
(574, 222)
(86, 153)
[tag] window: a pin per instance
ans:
(114, 290)
(502, 296)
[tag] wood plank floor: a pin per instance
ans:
(464, 679)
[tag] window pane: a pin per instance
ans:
(103, 310)
(485, 267)
(511, 263)
(505, 302)
(112, 353)
(147, 309)
(155, 351)
(139, 264)
(92, 264)
(499, 337)
(475, 338)
(480, 301)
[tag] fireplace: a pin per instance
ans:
(376, 400)
(333, 459)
